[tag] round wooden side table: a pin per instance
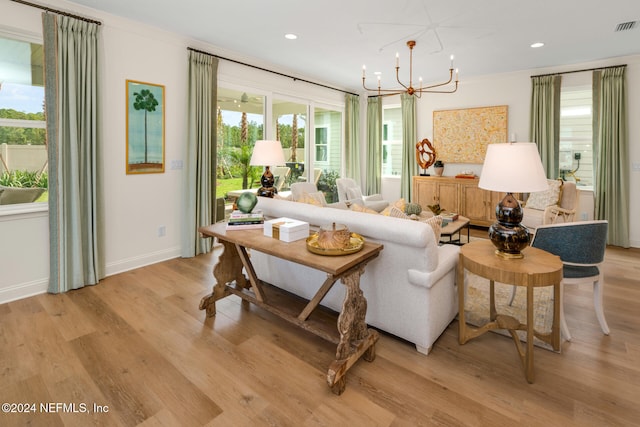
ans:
(537, 268)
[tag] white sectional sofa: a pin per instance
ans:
(410, 288)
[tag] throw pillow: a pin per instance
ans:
(399, 204)
(316, 198)
(549, 197)
(356, 207)
(397, 213)
(354, 193)
(436, 223)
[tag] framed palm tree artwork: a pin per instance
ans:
(145, 127)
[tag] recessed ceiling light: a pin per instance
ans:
(290, 36)
(537, 44)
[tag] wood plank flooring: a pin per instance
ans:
(136, 351)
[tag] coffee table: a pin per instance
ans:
(352, 336)
(455, 227)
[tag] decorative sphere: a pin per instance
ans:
(246, 202)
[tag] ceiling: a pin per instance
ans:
(336, 37)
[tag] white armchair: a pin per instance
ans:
(558, 204)
(349, 192)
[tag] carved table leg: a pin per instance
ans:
(355, 338)
(227, 269)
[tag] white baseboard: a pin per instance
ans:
(36, 287)
(140, 261)
(23, 290)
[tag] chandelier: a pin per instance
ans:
(410, 89)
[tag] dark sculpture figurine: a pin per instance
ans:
(267, 181)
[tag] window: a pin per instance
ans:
(23, 150)
(392, 141)
(328, 150)
(576, 139)
(291, 124)
(322, 146)
(240, 123)
(311, 139)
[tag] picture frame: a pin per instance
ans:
(145, 127)
(462, 135)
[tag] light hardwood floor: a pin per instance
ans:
(137, 346)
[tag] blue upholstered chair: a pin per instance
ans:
(580, 246)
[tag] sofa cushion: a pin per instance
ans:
(12, 195)
(549, 197)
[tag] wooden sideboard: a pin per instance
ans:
(460, 195)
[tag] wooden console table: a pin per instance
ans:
(537, 268)
(352, 336)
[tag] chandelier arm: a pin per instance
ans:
(398, 79)
(425, 90)
(392, 91)
(444, 83)
(366, 88)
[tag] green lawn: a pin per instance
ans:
(229, 184)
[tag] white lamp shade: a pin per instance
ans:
(513, 168)
(267, 153)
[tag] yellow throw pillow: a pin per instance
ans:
(316, 198)
(359, 208)
(399, 204)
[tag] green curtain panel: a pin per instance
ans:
(374, 145)
(545, 121)
(612, 171)
(409, 139)
(200, 164)
(352, 136)
(71, 94)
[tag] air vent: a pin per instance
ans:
(626, 26)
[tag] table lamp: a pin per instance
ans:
(513, 167)
(267, 153)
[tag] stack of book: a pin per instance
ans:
(448, 217)
(242, 221)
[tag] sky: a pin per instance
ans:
(25, 98)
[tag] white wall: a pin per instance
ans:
(135, 206)
(514, 90)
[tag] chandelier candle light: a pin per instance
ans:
(410, 89)
(512, 168)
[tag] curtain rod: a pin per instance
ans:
(271, 71)
(579, 71)
(48, 9)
